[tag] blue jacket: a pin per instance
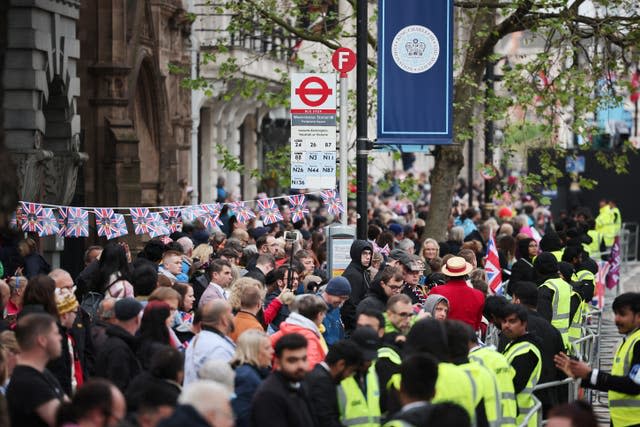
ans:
(247, 380)
(333, 326)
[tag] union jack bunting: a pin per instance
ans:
(192, 213)
(172, 218)
(47, 223)
(211, 215)
(298, 207)
(332, 202)
(158, 226)
(31, 212)
(121, 225)
(62, 221)
(269, 212)
(243, 213)
(106, 222)
(141, 219)
(77, 223)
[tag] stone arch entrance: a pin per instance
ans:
(145, 121)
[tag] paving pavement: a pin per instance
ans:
(609, 337)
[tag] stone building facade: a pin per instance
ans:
(91, 112)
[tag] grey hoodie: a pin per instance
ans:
(431, 303)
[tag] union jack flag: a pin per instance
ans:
(269, 211)
(106, 222)
(172, 218)
(332, 202)
(492, 268)
(31, 212)
(47, 223)
(243, 213)
(121, 225)
(158, 227)
(142, 220)
(211, 215)
(298, 207)
(77, 223)
(62, 221)
(192, 213)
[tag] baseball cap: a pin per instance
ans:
(367, 339)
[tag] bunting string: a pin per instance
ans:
(48, 219)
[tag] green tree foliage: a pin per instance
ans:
(574, 56)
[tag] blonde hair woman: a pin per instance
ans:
(252, 363)
(237, 289)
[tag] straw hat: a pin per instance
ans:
(457, 266)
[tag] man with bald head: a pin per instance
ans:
(213, 341)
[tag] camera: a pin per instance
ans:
(290, 236)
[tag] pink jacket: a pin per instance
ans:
(299, 324)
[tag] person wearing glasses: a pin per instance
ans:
(399, 315)
(388, 283)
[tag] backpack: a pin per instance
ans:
(91, 302)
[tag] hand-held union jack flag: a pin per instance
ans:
(77, 223)
(332, 202)
(298, 207)
(47, 223)
(243, 213)
(492, 267)
(269, 212)
(30, 212)
(106, 223)
(141, 219)
(172, 218)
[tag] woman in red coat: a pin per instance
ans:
(465, 303)
(308, 311)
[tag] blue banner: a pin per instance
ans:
(415, 72)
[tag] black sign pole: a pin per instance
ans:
(362, 142)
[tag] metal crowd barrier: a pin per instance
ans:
(585, 349)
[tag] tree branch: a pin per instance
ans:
(373, 42)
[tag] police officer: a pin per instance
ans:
(525, 358)
(623, 383)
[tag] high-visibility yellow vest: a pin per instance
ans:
(605, 224)
(624, 408)
(561, 306)
(487, 390)
(398, 423)
(525, 397)
(558, 254)
(355, 409)
(504, 373)
(617, 220)
(593, 248)
(391, 354)
(453, 385)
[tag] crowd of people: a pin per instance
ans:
(245, 326)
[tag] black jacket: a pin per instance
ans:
(416, 416)
(324, 404)
(117, 360)
(184, 415)
(146, 383)
(83, 350)
(256, 273)
(359, 279)
(550, 343)
(521, 271)
(375, 299)
(524, 364)
(278, 403)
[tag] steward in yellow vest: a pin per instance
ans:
(486, 391)
(454, 384)
(605, 223)
(617, 217)
(554, 295)
(359, 395)
(417, 387)
(504, 373)
(623, 383)
(525, 358)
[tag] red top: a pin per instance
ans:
(465, 303)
